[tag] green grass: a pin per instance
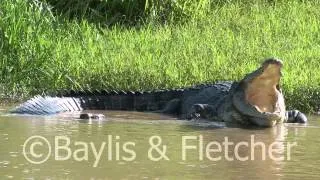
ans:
(41, 51)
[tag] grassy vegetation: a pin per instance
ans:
(170, 45)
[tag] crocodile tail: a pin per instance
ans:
(138, 101)
(47, 105)
(78, 101)
(70, 101)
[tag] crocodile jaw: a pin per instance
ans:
(258, 98)
(264, 94)
(262, 91)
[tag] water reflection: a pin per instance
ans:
(138, 127)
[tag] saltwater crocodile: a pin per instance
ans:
(255, 100)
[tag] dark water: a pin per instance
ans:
(125, 154)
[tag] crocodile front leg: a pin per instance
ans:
(201, 111)
(295, 116)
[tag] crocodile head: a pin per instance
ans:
(257, 99)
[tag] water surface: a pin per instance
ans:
(137, 128)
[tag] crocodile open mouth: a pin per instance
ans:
(262, 91)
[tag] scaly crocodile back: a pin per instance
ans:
(70, 101)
